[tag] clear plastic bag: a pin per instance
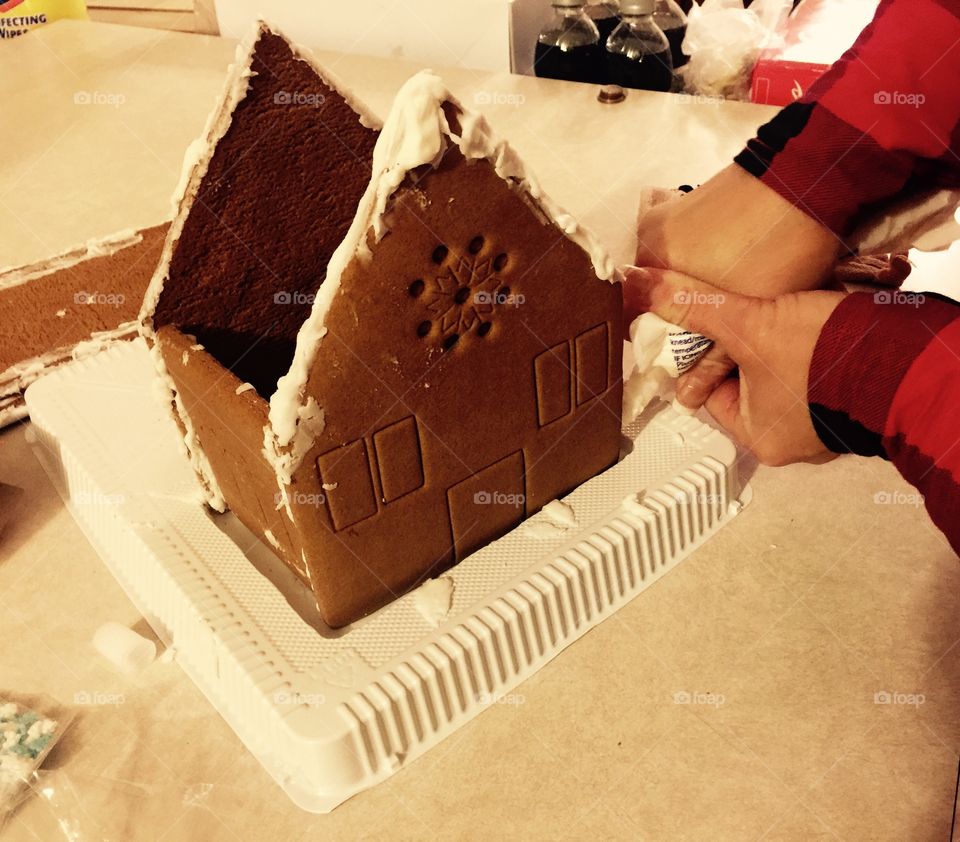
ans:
(723, 41)
(30, 726)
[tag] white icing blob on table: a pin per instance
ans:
(433, 599)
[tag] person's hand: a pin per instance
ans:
(737, 234)
(772, 343)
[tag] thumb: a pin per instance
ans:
(722, 316)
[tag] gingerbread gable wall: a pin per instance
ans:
(279, 193)
(470, 374)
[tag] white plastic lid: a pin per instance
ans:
(638, 7)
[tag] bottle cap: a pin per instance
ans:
(637, 7)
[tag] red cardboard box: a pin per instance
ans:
(815, 36)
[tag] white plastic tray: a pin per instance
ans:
(330, 713)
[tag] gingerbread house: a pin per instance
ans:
(384, 350)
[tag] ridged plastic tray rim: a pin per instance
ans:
(421, 696)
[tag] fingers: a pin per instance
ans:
(652, 215)
(680, 299)
(697, 384)
(724, 405)
(897, 271)
(885, 270)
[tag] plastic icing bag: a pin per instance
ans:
(661, 353)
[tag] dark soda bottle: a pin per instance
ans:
(671, 19)
(638, 53)
(569, 46)
(606, 16)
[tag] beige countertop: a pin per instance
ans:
(788, 627)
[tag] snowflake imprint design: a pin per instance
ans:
(464, 294)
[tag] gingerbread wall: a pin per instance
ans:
(470, 374)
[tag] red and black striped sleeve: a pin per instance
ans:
(885, 381)
(882, 124)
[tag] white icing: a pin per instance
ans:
(271, 538)
(543, 530)
(61, 313)
(656, 362)
(415, 133)
(433, 599)
(330, 486)
(185, 358)
(100, 247)
(243, 387)
(633, 503)
(17, 377)
(561, 514)
(12, 409)
(552, 521)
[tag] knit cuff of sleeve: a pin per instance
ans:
(864, 351)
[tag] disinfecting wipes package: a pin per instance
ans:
(661, 353)
(20, 16)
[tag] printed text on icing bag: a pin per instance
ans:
(662, 352)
